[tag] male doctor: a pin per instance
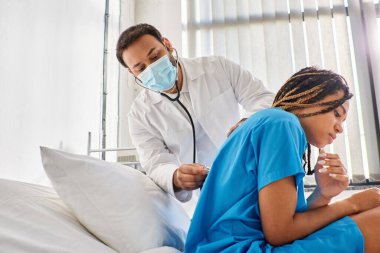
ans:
(185, 102)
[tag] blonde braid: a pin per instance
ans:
(317, 90)
(303, 96)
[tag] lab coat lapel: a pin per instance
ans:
(174, 120)
(201, 98)
(199, 93)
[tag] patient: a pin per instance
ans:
(254, 201)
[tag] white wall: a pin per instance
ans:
(51, 56)
(165, 15)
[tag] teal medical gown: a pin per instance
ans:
(267, 147)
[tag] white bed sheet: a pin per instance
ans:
(34, 220)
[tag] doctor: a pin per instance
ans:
(187, 109)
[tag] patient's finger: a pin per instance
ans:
(335, 170)
(333, 162)
(331, 156)
(339, 177)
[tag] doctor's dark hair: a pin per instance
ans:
(132, 34)
(305, 89)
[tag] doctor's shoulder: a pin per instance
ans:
(142, 102)
(210, 65)
(205, 62)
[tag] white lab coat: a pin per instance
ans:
(162, 135)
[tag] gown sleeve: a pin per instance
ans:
(281, 146)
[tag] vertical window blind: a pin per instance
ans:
(275, 38)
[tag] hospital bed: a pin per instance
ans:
(93, 206)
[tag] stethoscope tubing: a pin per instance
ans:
(176, 99)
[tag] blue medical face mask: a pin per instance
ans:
(159, 76)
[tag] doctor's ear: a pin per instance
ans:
(167, 44)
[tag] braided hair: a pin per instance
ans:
(305, 89)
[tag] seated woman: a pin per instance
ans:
(253, 199)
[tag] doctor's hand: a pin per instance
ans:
(189, 177)
(330, 174)
(235, 126)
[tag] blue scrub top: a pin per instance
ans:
(267, 147)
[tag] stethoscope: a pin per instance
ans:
(176, 99)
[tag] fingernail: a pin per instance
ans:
(332, 175)
(322, 154)
(322, 170)
(321, 162)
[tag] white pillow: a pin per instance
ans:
(33, 219)
(119, 204)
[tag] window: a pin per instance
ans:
(273, 39)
